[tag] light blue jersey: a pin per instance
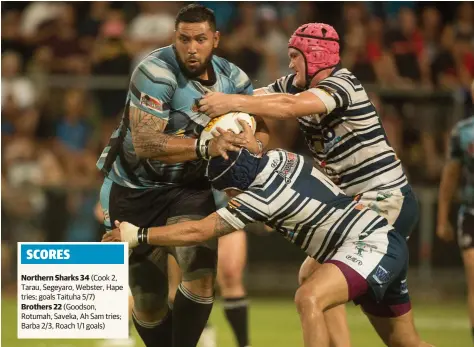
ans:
(158, 87)
(462, 149)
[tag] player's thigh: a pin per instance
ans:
(327, 287)
(232, 255)
(174, 277)
(399, 207)
(396, 331)
(197, 261)
(148, 270)
(307, 268)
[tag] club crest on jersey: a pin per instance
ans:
(151, 102)
(362, 247)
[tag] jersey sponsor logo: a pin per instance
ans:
(151, 102)
(381, 275)
(355, 260)
(288, 168)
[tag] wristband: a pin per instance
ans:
(202, 149)
(142, 235)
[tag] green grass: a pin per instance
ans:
(275, 323)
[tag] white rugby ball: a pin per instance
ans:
(229, 122)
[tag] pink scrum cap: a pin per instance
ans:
(319, 45)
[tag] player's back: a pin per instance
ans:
(304, 205)
(349, 143)
(159, 87)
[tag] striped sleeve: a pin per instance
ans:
(335, 92)
(455, 151)
(244, 209)
(152, 87)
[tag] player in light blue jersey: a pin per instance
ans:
(362, 259)
(342, 130)
(154, 174)
(460, 163)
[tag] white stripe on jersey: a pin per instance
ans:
(357, 137)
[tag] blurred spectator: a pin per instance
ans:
(463, 24)
(36, 14)
(431, 28)
(244, 46)
(405, 45)
(275, 46)
(152, 28)
(90, 26)
(16, 89)
(68, 56)
(225, 13)
(12, 40)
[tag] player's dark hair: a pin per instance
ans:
(195, 13)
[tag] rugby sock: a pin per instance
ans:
(156, 334)
(236, 311)
(190, 315)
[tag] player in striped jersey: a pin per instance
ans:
(362, 260)
(341, 128)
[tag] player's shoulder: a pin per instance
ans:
(467, 123)
(160, 61)
(226, 68)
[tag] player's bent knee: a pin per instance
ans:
(307, 301)
(203, 286)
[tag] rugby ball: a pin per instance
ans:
(229, 122)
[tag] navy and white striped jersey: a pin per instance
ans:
(158, 87)
(462, 150)
(349, 142)
(301, 203)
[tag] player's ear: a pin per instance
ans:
(217, 36)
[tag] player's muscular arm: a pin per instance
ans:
(277, 105)
(447, 189)
(180, 234)
(150, 142)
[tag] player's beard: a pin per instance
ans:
(199, 71)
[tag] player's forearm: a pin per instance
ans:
(448, 187)
(181, 234)
(166, 148)
(278, 106)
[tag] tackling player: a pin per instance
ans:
(362, 259)
(460, 161)
(342, 129)
(155, 174)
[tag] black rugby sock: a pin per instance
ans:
(155, 334)
(190, 315)
(236, 311)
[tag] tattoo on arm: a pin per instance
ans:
(147, 133)
(221, 227)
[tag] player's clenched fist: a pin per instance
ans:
(125, 232)
(216, 104)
